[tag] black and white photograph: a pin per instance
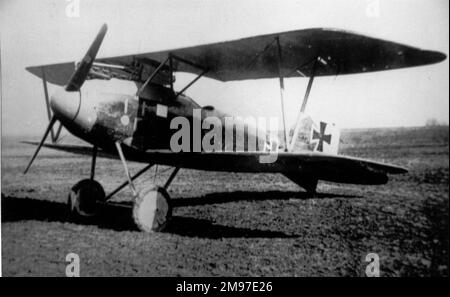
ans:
(207, 138)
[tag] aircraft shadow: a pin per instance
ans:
(225, 197)
(117, 217)
(16, 209)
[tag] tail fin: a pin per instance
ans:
(317, 136)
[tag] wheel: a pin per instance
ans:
(83, 199)
(152, 210)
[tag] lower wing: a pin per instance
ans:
(295, 165)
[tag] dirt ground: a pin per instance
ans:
(228, 224)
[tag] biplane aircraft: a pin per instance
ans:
(125, 106)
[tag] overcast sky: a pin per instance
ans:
(41, 32)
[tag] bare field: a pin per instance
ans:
(228, 224)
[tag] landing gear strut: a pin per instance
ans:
(152, 209)
(84, 197)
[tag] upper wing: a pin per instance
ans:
(58, 74)
(340, 52)
(333, 168)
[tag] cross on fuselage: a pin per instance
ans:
(321, 136)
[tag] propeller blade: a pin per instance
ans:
(49, 127)
(79, 76)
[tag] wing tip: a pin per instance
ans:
(436, 56)
(424, 57)
(34, 70)
(397, 170)
(403, 170)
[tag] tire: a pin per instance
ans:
(152, 210)
(83, 199)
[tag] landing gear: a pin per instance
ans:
(152, 210)
(84, 198)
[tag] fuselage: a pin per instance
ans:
(106, 111)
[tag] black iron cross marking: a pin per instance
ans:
(321, 136)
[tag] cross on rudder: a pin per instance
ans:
(321, 136)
